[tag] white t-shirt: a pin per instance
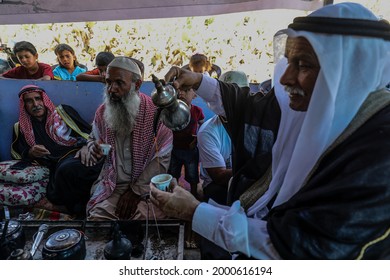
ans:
(214, 146)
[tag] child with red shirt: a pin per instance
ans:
(99, 73)
(185, 151)
(30, 68)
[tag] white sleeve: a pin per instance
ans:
(232, 230)
(210, 92)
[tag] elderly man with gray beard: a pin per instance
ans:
(125, 121)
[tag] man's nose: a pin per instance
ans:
(111, 88)
(288, 77)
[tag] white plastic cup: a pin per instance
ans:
(105, 148)
(162, 181)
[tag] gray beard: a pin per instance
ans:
(120, 116)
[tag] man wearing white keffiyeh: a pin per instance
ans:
(329, 196)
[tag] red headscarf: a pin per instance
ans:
(56, 128)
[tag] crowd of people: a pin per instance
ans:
(298, 170)
(67, 69)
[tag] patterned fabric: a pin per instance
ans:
(49, 215)
(13, 194)
(143, 147)
(56, 128)
(30, 174)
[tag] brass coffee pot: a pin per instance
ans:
(174, 113)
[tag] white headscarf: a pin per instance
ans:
(289, 128)
(351, 68)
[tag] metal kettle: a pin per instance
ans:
(12, 237)
(65, 244)
(119, 248)
(174, 113)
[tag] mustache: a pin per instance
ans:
(117, 100)
(292, 90)
(37, 108)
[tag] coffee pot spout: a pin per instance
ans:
(163, 95)
(174, 113)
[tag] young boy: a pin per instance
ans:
(30, 68)
(99, 73)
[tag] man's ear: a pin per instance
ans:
(138, 84)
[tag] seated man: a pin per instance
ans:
(328, 197)
(99, 73)
(53, 137)
(125, 121)
(215, 149)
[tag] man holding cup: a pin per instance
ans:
(328, 197)
(125, 121)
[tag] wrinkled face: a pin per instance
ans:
(187, 95)
(27, 59)
(33, 103)
(66, 59)
(301, 73)
(118, 83)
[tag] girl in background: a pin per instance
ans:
(68, 67)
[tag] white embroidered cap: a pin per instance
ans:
(125, 63)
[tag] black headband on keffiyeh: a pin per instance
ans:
(342, 26)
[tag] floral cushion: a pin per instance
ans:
(13, 194)
(30, 174)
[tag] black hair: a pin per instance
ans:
(24, 46)
(140, 66)
(64, 47)
(104, 58)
